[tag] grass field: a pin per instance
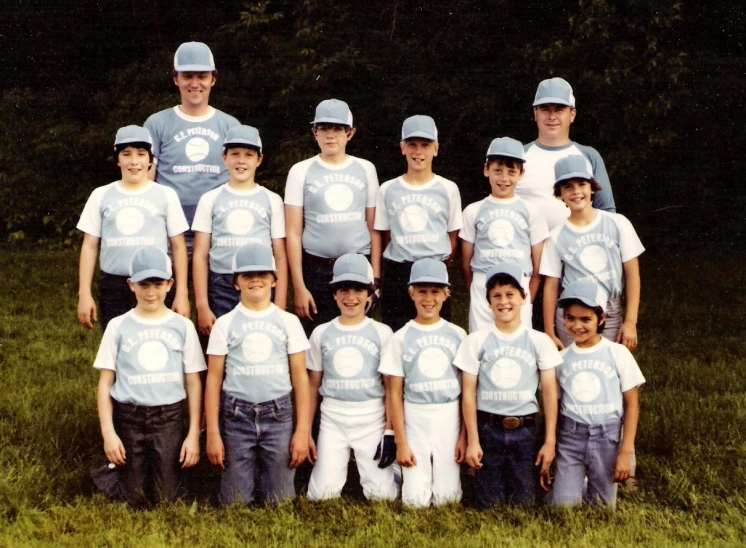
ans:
(691, 445)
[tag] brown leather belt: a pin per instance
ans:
(506, 422)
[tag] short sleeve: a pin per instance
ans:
(297, 340)
(194, 361)
(537, 224)
(106, 357)
(90, 219)
(372, 186)
(384, 333)
(467, 355)
(218, 343)
(455, 218)
(294, 184)
(629, 372)
(381, 221)
(203, 216)
(547, 355)
(155, 134)
(468, 232)
(314, 358)
(551, 264)
(391, 358)
(176, 222)
(277, 221)
(630, 245)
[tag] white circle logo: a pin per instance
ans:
(501, 232)
(256, 347)
(129, 221)
(413, 218)
(338, 197)
(433, 363)
(594, 258)
(239, 222)
(348, 361)
(505, 373)
(152, 356)
(197, 149)
(585, 387)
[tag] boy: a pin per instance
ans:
(232, 215)
(591, 245)
(343, 367)
(419, 214)
(187, 137)
(599, 409)
(498, 228)
(423, 393)
(501, 370)
(147, 357)
(122, 217)
(329, 201)
(554, 113)
(256, 371)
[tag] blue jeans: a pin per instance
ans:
(256, 437)
(222, 296)
(581, 450)
(508, 474)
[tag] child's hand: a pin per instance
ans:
(474, 455)
(86, 311)
(627, 335)
(189, 455)
(312, 456)
(298, 449)
(215, 450)
(114, 449)
(404, 456)
(545, 459)
(460, 453)
(304, 304)
(556, 341)
(623, 466)
(181, 306)
(205, 320)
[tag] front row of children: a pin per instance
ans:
(427, 396)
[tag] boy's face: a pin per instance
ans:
(194, 88)
(332, 138)
(134, 163)
(150, 294)
(419, 153)
(506, 302)
(553, 122)
(582, 324)
(241, 163)
(255, 287)
(428, 300)
(577, 194)
(502, 178)
(351, 302)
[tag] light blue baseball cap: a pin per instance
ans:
(333, 111)
(429, 271)
(574, 166)
(419, 126)
(352, 267)
(556, 91)
(193, 57)
(510, 269)
(254, 258)
(133, 134)
(508, 147)
(243, 135)
(150, 262)
(589, 293)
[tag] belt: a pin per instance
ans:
(315, 259)
(506, 422)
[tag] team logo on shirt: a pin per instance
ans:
(594, 258)
(413, 218)
(129, 220)
(197, 149)
(239, 222)
(585, 387)
(433, 363)
(256, 347)
(505, 373)
(152, 355)
(501, 232)
(338, 197)
(348, 361)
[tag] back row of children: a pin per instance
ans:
(332, 202)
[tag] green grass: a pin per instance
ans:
(691, 445)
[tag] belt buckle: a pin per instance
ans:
(511, 423)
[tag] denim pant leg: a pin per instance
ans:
(238, 428)
(603, 449)
(129, 424)
(522, 475)
(489, 484)
(275, 428)
(165, 436)
(569, 465)
(222, 296)
(114, 298)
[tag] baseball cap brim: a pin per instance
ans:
(573, 175)
(553, 100)
(255, 268)
(150, 273)
(350, 277)
(562, 301)
(429, 280)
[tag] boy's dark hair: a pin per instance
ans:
(595, 185)
(503, 279)
(596, 310)
(120, 148)
(510, 163)
(237, 274)
(241, 145)
(370, 288)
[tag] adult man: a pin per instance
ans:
(554, 112)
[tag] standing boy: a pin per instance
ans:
(235, 214)
(502, 366)
(419, 215)
(188, 138)
(329, 209)
(501, 228)
(423, 393)
(343, 367)
(147, 357)
(256, 378)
